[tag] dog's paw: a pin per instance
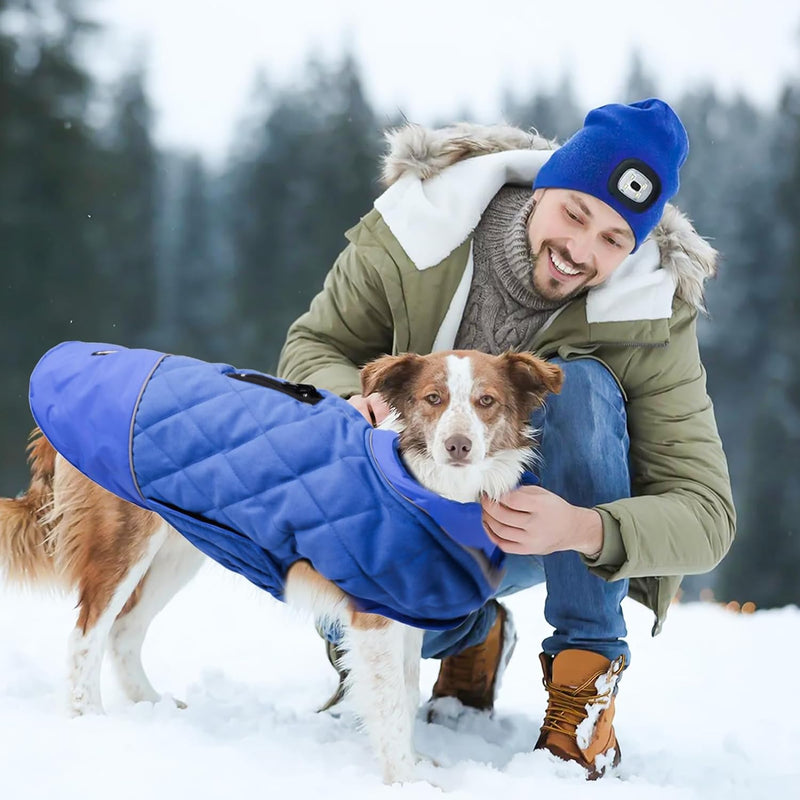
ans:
(400, 770)
(171, 701)
(80, 705)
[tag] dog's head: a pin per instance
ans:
(463, 416)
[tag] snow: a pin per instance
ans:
(706, 710)
(604, 686)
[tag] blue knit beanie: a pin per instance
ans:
(626, 156)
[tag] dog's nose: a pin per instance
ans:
(458, 447)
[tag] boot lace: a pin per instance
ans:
(566, 708)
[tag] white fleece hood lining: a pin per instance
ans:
(446, 337)
(431, 218)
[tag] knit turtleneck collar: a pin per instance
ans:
(513, 207)
(503, 310)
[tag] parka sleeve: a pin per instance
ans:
(681, 519)
(348, 323)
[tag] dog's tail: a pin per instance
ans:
(26, 552)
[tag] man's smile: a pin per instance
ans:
(560, 266)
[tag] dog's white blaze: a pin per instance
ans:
(460, 416)
(467, 481)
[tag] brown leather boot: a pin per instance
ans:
(473, 675)
(580, 711)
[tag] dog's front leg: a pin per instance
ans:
(412, 652)
(378, 690)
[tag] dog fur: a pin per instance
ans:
(462, 418)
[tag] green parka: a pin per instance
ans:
(386, 297)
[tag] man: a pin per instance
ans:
(489, 238)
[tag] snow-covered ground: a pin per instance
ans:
(707, 710)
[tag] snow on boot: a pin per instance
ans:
(581, 687)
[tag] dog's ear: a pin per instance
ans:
(533, 375)
(390, 376)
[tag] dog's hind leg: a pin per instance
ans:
(377, 687)
(102, 596)
(173, 566)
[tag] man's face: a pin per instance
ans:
(577, 241)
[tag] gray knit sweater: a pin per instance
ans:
(503, 309)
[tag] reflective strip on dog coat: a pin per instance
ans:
(259, 473)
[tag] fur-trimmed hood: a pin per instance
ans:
(422, 153)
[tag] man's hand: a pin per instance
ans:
(372, 407)
(532, 521)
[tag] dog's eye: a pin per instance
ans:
(433, 398)
(486, 401)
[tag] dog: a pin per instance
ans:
(463, 421)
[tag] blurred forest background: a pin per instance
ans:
(104, 237)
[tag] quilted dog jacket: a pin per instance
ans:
(258, 473)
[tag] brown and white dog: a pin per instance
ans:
(463, 422)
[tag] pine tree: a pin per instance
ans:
(554, 115)
(640, 83)
(194, 287)
(305, 177)
(47, 158)
(730, 197)
(126, 215)
(762, 565)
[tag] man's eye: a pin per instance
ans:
(612, 241)
(572, 215)
(433, 398)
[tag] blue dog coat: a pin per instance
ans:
(259, 473)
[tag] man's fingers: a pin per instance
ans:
(505, 515)
(524, 499)
(513, 549)
(359, 402)
(506, 545)
(378, 408)
(501, 531)
(373, 407)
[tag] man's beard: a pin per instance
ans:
(548, 287)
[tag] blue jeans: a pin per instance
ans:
(584, 459)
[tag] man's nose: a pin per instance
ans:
(580, 250)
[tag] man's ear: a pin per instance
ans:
(390, 376)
